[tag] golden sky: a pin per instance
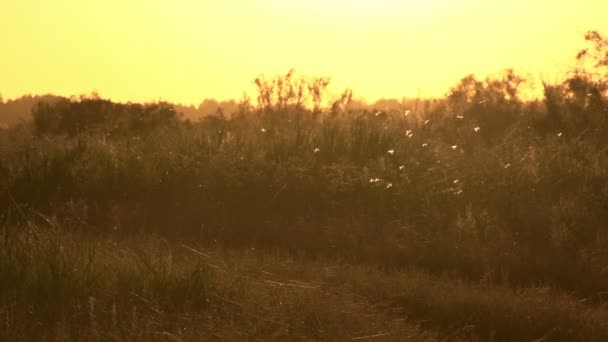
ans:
(187, 50)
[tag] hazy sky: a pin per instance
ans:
(188, 50)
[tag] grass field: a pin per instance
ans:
(477, 217)
(69, 286)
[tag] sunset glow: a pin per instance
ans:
(185, 50)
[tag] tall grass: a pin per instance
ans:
(376, 187)
(65, 286)
(480, 188)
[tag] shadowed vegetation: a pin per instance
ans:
(479, 216)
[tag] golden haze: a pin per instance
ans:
(186, 50)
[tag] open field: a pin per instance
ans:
(476, 217)
(60, 286)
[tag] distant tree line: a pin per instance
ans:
(19, 110)
(93, 114)
(577, 104)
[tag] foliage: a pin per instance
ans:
(285, 91)
(580, 103)
(488, 191)
(93, 114)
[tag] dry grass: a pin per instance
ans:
(70, 286)
(475, 217)
(58, 286)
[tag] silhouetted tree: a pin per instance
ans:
(285, 91)
(580, 103)
(95, 115)
(492, 103)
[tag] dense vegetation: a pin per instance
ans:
(19, 110)
(479, 216)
